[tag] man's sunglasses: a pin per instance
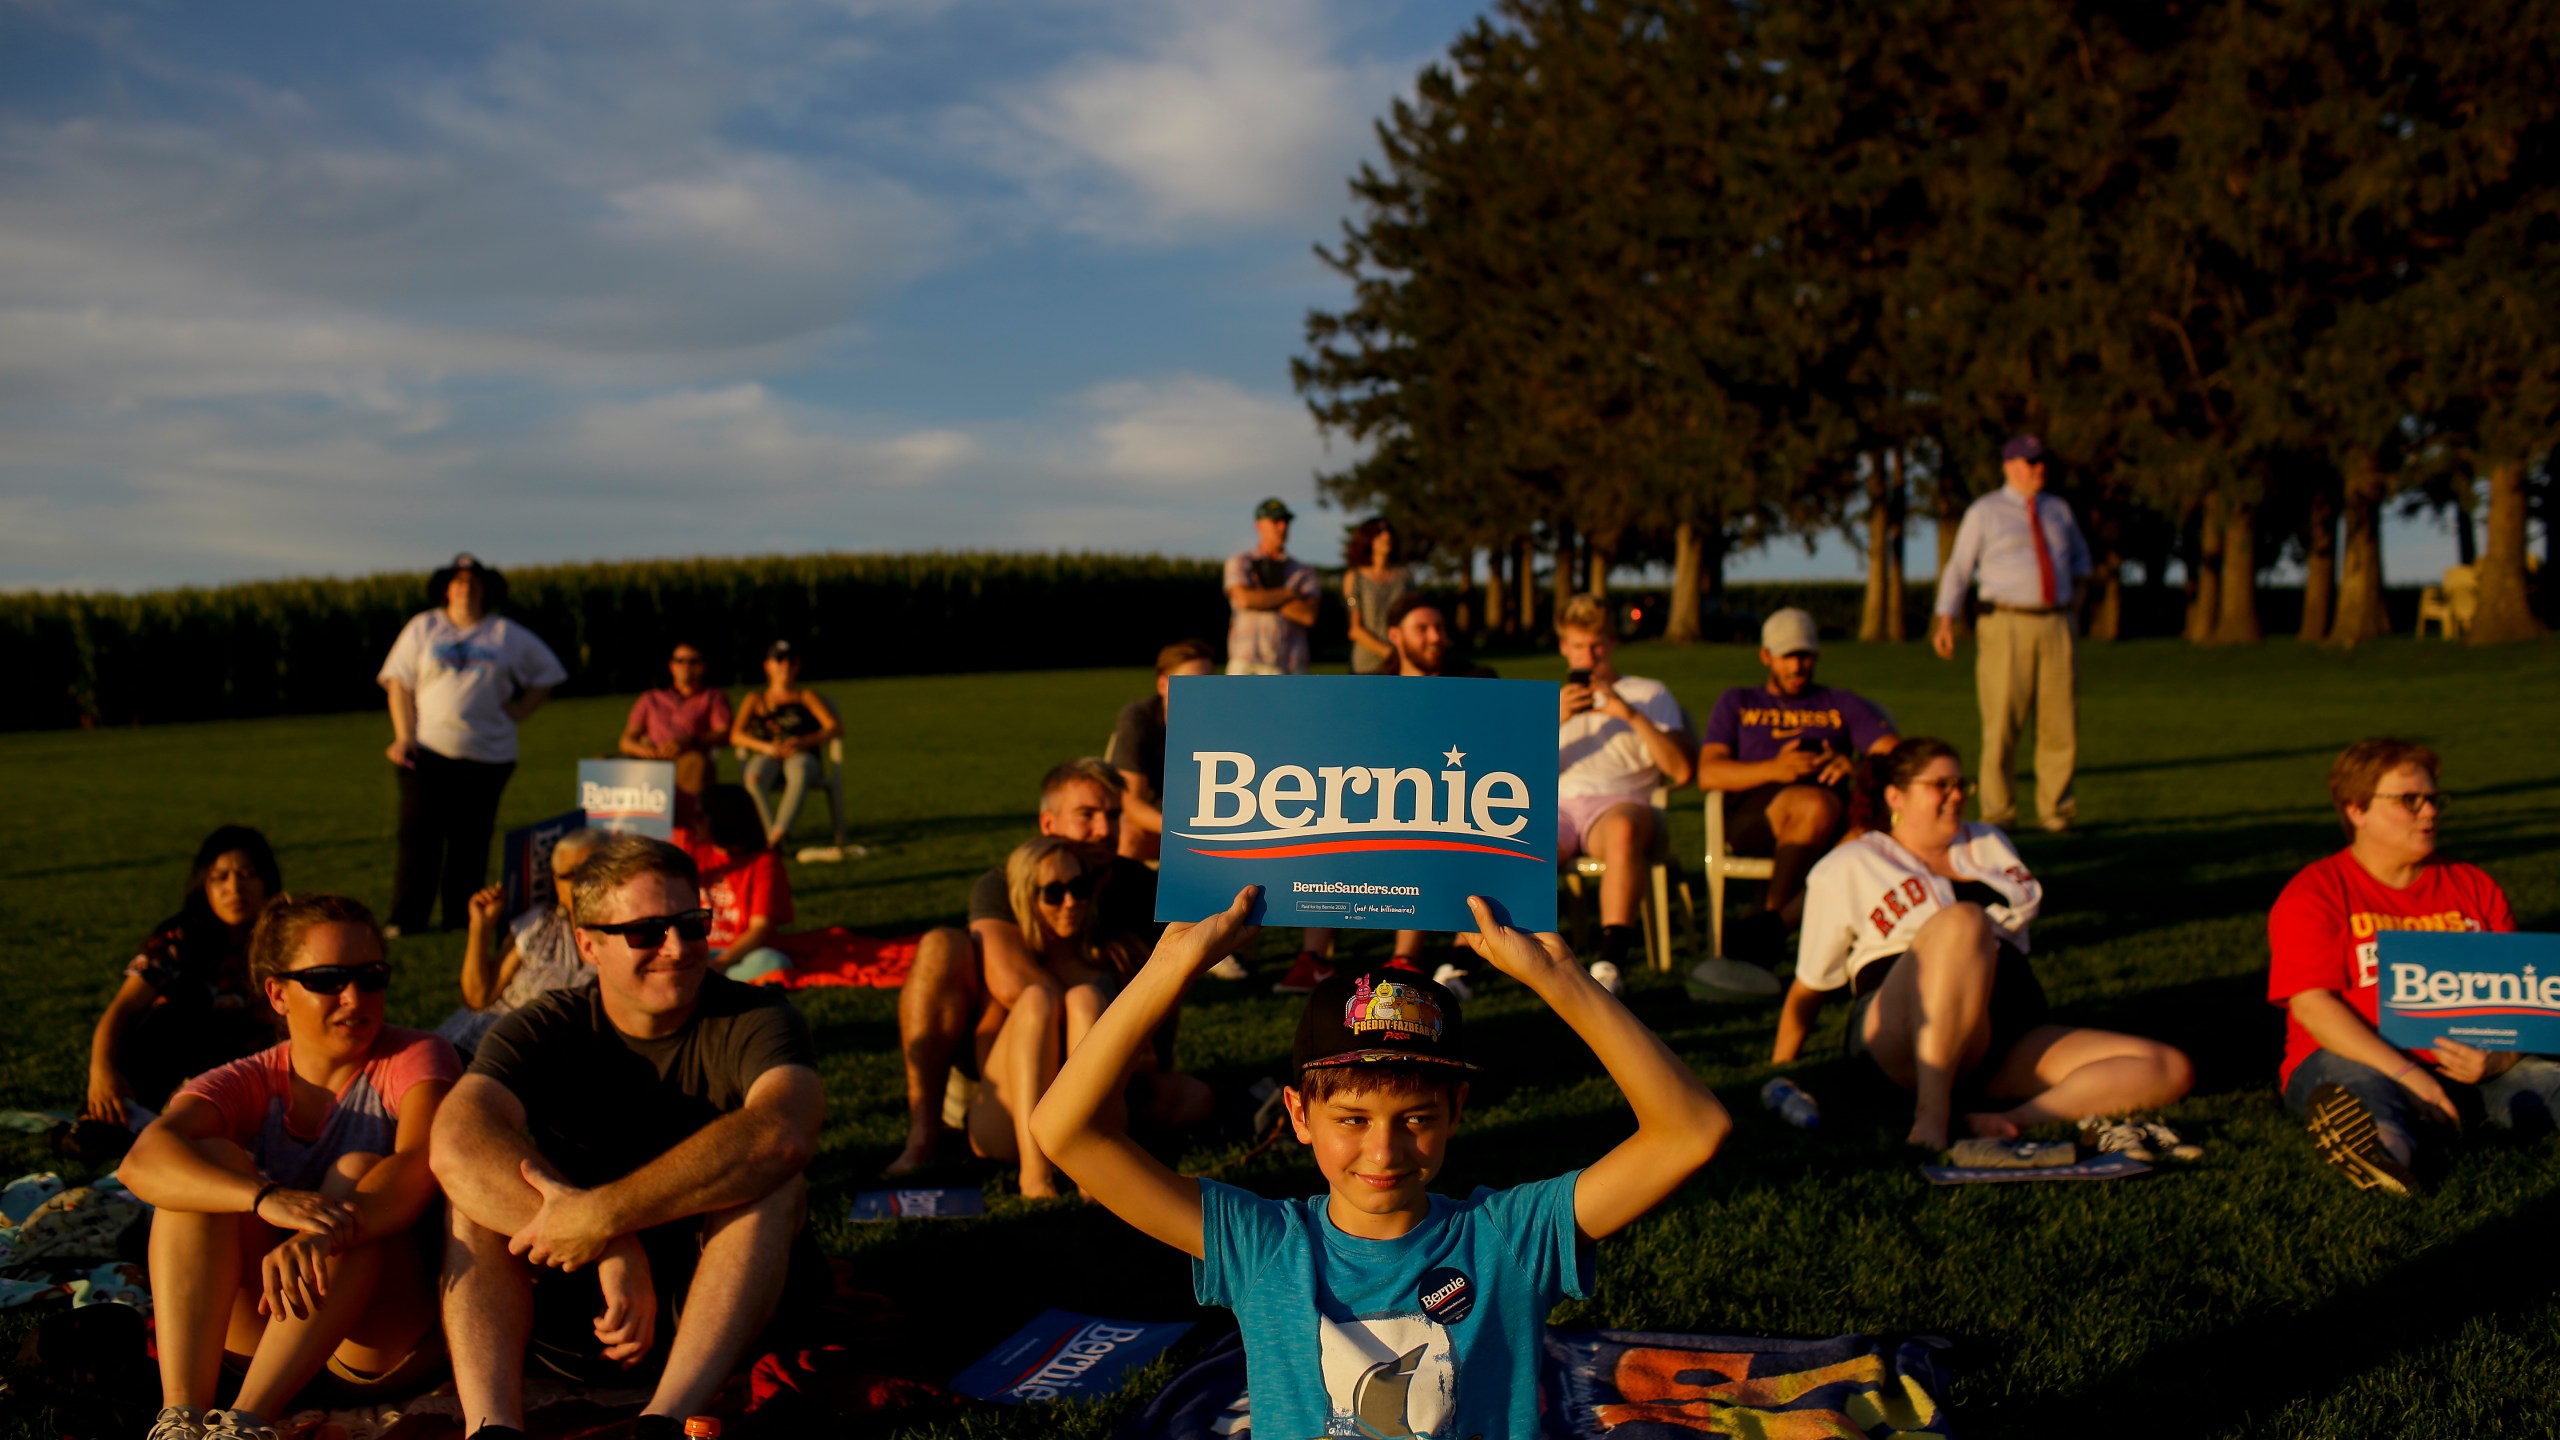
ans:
(2414, 800)
(371, 979)
(651, 934)
(1057, 891)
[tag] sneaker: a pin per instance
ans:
(1306, 972)
(1607, 976)
(236, 1425)
(1724, 980)
(2117, 1137)
(1454, 980)
(831, 854)
(177, 1422)
(390, 932)
(2350, 1139)
(958, 1094)
(1230, 968)
(2166, 1141)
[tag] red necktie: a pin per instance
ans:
(2044, 555)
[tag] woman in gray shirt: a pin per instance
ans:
(1374, 577)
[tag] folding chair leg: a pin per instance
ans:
(1658, 930)
(1715, 911)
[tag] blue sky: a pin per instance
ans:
(296, 289)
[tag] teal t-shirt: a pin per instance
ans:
(1433, 1334)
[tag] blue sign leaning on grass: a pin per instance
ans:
(2488, 991)
(1363, 802)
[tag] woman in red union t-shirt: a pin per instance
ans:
(289, 1186)
(2365, 1100)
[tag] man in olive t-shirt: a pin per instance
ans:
(646, 1135)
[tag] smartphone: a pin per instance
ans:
(1577, 677)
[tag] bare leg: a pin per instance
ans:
(1932, 1020)
(2064, 1074)
(1620, 839)
(196, 1264)
(1804, 819)
(488, 1323)
(746, 1256)
(292, 1348)
(1019, 1068)
(935, 1010)
(1410, 942)
(1318, 943)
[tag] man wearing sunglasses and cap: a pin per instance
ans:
(458, 681)
(2030, 559)
(1272, 597)
(623, 1161)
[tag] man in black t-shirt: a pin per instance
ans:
(623, 1161)
(964, 983)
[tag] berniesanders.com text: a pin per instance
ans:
(1350, 887)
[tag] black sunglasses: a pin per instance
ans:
(372, 979)
(1057, 891)
(651, 934)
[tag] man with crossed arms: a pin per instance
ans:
(2031, 561)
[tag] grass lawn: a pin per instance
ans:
(2255, 1294)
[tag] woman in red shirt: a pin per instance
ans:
(289, 1186)
(2368, 1102)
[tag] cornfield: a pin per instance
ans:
(311, 646)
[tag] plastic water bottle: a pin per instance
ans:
(1792, 1104)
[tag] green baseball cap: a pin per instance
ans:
(1272, 509)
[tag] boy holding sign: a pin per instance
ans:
(2364, 1099)
(1379, 1303)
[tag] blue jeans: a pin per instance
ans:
(2526, 1095)
(799, 772)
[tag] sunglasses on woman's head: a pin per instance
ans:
(371, 979)
(651, 934)
(1057, 891)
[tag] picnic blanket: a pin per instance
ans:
(837, 956)
(1637, 1385)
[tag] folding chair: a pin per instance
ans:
(830, 783)
(1653, 904)
(1721, 867)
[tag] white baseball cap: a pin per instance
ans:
(1790, 632)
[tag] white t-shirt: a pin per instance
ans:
(464, 678)
(1599, 754)
(1868, 899)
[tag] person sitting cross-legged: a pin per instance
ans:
(288, 1187)
(2374, 1108)
(1922, 919)
(1784, 751)
(624, 1162)
(187, 1004)
(1379, 1302)
(744, 885)
(1617, 737)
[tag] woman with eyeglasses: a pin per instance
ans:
(289, 1186)
(1020, 1050)
(1921, 917)
(2371, 1106)
(786, 729)
(186, 1004)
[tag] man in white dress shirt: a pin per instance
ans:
(2031, 560)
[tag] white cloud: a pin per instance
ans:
(1208, 115)
(1189, 431)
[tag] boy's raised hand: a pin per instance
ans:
(1192, 946)
(1517, 953)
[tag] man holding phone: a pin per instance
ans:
(1785, 752)
(1617, 737)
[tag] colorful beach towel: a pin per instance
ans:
(1633, 1385)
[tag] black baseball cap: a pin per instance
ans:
(780, 650)
(1272, 509)
(1386, 1013)
(2022, 447)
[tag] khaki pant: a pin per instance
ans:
(2023, 661)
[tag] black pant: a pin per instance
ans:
(448, 808)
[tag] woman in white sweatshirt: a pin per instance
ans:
(1922, 919)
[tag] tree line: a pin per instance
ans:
(1666, 281)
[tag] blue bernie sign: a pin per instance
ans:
(1066, 1356)
(1360, 802)
(634, 795)
(2490, 992)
